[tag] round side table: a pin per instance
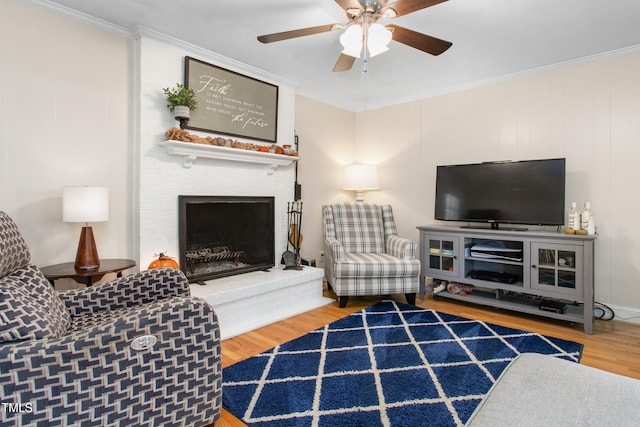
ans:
(67, 270)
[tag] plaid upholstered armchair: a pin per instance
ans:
(134, 351)
(364, 255)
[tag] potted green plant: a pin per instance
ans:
(180, 101)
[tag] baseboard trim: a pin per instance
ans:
(625, 314)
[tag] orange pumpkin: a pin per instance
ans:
(163, 261)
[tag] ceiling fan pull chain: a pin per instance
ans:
(365, 43)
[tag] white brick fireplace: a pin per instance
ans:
(162, 176)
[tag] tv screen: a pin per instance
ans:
(521, 192)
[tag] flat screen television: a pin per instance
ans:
(520, 192)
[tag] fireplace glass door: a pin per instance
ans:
(225, 235)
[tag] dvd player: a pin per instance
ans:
(553, 306)
(494, 276)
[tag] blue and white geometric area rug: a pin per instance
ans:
(390, 364)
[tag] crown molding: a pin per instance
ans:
(417, 96)
(140, 31)
(225, 61)
(80, 16)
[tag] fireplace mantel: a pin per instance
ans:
(191, 151)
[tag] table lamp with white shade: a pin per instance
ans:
(360, 178)
(86, 204)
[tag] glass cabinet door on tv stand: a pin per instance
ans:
(442, 255)
(557, 268)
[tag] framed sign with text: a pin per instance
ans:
(230, 103)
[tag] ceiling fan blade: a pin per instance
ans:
(276, 37)
(405, 7)
(344, 63)
(349, 4)
(419, 41)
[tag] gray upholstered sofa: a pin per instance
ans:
(537, 390)
(88, 357)
(364, 254)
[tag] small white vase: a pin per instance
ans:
(181, 112)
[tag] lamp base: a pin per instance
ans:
(359, 196)
(87, 256)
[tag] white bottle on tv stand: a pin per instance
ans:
(574, 217)
(587, 220)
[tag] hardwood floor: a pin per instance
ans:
(614, 345)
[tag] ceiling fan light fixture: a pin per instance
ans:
(390, 13)
(362, 37)
(353, 11)
(379, 39)
(351, 41)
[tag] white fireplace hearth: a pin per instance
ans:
(249, 301)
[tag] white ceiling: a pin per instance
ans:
(492, 39)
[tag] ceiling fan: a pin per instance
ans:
(364, 36)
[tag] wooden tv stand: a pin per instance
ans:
(514, 270)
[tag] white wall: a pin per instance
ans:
(326, 140)
(83, 105)
(588, 113)
(64, 120)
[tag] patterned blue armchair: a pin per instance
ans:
(138, 350)
(364, 255)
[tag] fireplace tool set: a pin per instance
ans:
(291, 257)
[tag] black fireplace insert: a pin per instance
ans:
(225, 235)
